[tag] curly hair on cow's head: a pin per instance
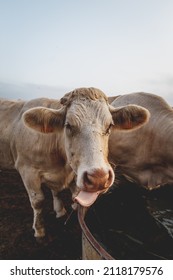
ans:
(83, 93)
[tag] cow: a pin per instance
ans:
(54, 142)
(145, 156)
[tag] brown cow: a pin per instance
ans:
(51, 142)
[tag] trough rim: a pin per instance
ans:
(91, 239)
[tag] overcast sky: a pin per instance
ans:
(119, 46)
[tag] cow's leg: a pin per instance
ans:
(37, 200)
(33, 186)
(58, 205)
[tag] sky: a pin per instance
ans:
(49, 47)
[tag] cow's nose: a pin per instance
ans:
(97, 180)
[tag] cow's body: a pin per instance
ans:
(145, 155)
(39, 158)
(23, 148)
(52, 142)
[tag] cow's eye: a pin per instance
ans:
(68, 126)
(108, 130)
(71, 129)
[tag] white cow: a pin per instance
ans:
(51, 142)
(145, 155)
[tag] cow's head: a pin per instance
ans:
(86, 119)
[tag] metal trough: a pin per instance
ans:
(91, 249)
(128, 234)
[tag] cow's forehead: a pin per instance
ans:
(82, 94)
(88, 111)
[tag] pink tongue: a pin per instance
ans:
(86, 198)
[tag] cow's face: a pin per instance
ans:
(86, 120)
(87, 127)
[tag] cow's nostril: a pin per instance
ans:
(110, 175)
(87, 179)
(110, 178)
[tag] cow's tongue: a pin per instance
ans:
(86, 198)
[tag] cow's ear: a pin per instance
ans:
(129, 117)
(44, 120)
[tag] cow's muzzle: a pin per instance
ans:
(97, 180)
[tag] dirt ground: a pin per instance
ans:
(147, 218)
(16, 234)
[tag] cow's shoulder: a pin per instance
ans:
(10, 111)
(42, 102)
(7, 104)
(154, 103)
(112, 98)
